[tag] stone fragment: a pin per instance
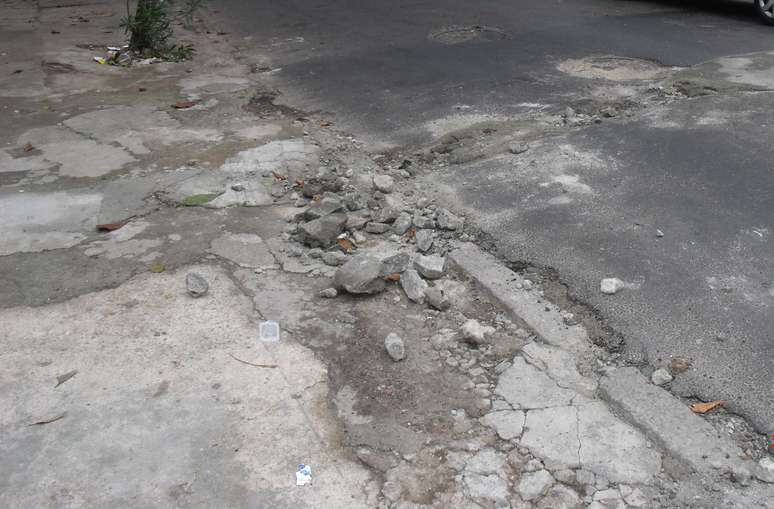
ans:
(423, 222)
(402, 223)
(764, 470)
(374, 227)
(361, 274)
(424, 240)
(386, 214)
(355, 201)
(196, 285)
(448, 221)
(413, 285)
(508, 424)
(486, 461)
(535, 484)
(431, 267)
(609, 499)
(611, 285)
(488, 487)
(323, 232)
(437, 298)
(474, 332)
(334, 258)
(395, 264)
(395, 347)
(324, 207)
(384, 183)
(328, 293)
(517, 147)
(560, 497)
(661, 376)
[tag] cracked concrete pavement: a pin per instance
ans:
(119, 387)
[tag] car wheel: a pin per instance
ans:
(765, 10)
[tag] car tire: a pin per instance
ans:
(765, 10)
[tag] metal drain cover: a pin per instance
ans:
(461, 34)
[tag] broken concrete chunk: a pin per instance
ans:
(517, 147)
(476, 333)
(437, 298)
(322, 232)
(448, 221)
(361, 274)
(423, 222)
(560, 497)
(196, 285)
(386, 214)
(661, 376)
(395, 347)
(395, 264)
(508, 424)
(611, 285)
(764, 470)
(384, 183)
(487, 487)
(328, 293)
(334, 258)
(431, 267)
(356, 201)
(324, 207)
(374, 227)
(402, 223)
(424, 240)
(414, 286)
(535, 484)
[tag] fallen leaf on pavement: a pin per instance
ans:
(63, 378)
(411, 233)
(679, 364)
(28, 147)
(393, 277)
(183, 105)
(109, 227)
(279, 176)
(346, 245)
(48, 420)
(703, 408)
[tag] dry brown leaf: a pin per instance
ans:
(679, 364)
(393, 277)
(109, 227)
(346, 245)
(325, 123)
(411, 233)
(48, 420)
(279, 176)
(299, 183)
(183, 105)
(28, 147)
(703, 408)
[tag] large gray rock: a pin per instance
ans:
(431, 267)
(424, 240)
(395, 347)
(322, 232)
(361, 274)
(448, 221)
(414, 286)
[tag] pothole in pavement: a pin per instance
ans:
(612, 68)
(471, 33)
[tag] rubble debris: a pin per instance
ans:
(431, 267)
(703, 408)
(395, 347)
(414, 286)
(402, 223)
(395, 264)
(324, 231)
(196, 285)
(661, 376)
(384, 183)
(516, 147)
(328, 293)
(448, 221)
(374, 227)
(423, 222)
(355, 201)
(535, 484)
(361, 274)
(424, 240)
(611, 285)
(60, 379)
(334, 258)
(474, 332)
(764, 470)
(322, 208)
(437, 298)
(269, 331)
(303, 475)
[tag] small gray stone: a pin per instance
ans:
(395, 347)
(402, 223)
(238, 187)
(395, 264)
(384, 183)
(448, 221)
(334, 258)
(431, 267)
(361, 274)
(560, 497)
(328, 293)
(196, 285)
(386, 214)
(764, 470)
(421, 221)
(322, 232)
(355, 222)
(324, 207)
(474, 332)
(373, 227)
(535, 484)
(437, 298)
(413, 285)
(424, 240)
(516, 147)
(611, 285)
(660, 377)
(356, 201)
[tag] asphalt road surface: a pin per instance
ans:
(698, 169)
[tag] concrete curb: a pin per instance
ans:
(661, 416)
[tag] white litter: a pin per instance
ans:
(303, 475)
(269, 331)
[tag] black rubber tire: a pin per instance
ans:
(758, 4)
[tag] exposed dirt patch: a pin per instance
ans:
(461, 34)
(612, 68)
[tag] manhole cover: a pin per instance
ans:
(460, 34)
(612, 68)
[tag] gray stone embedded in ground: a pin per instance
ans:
(424, 240)
(667, 420)
(431, 267)
(661, 376)
(423, 222)
(402, 223)
(560, 497)
(473, 331)
(378, 228)
(448, 221)
(324, 207)
(611, 285)
(196, 285)
(437, 298)
(535, 484)
(384, 183)
(395, 347)
(764, 470)
(328, 293)
(508, 424)
(517, 147)
(361, 274)
(396, 264)
(334, 258)
(414, 286)
(322, 232)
